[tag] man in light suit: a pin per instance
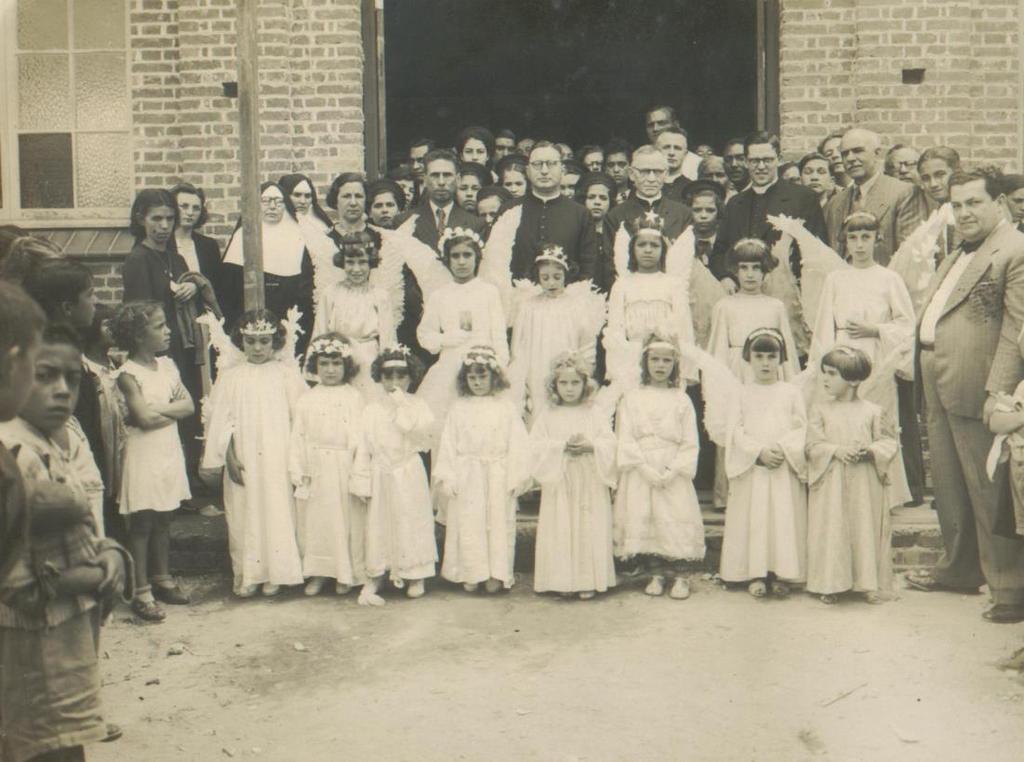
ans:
(436, 212)
(891, 200)
(966, 353)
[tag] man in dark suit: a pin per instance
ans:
(435, 213)
(648, 171)
(746, 214)
(966, 354)
(892, 201)
(549, 217)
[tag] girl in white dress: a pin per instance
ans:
(325, 433)
(251, 407)
(766, 522)
(868, 307)
(482, 466)
(550, 323)
(732, 321)
(456, 317)
(154, 481)
(644, 300)
(574, 462)
(358, 311)
(657, 515)
(850, 443)
(389, 473)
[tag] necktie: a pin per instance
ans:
(703, 250)
(440, 219)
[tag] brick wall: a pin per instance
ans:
(841, 63)
(310, 85)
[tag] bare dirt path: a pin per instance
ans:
(525, 677)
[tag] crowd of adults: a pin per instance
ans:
(969, 318)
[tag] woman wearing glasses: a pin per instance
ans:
(287, 267)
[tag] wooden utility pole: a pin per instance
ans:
(249, 153)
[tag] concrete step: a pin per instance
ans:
(199, 544)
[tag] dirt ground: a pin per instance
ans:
(525, 677)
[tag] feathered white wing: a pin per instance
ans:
(292, 329)
(914, 261)
(721, 390)
(228, 355)
(523, 289)
(388, 275)
(430, 272)
(817, 260)
(681, 254)
(590, 303)
(496, 265)
(781, 283)
(620, 251)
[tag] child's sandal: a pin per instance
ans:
(758, 588)
(656, 586)
(416, 589)
(829, 600)
(149, 611)
(680, 589)
(470, 587)
(586, 595)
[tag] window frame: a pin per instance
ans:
(10, 174)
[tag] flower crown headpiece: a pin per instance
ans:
(650, 221)
(658, 341)
(451, 233)
(572, 361)
(329, 347)
(482, 356)
(553, 253)
(259, 327)
(396, 362)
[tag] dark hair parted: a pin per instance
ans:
(631, 264)
(180, 188)
(479, 171)
(590, 179)
(455, 240)
(313, 356)
(944, 154)
(476, 132)
(343, 179)
(364, 242)
(146, 200)
(255, 316)
(851, 363)
(761, 138)
(382, 186)
(618, 145)
(21, 318)
(131, 320)
(56, 282)
(440, 154)
(750, 250)
(860, 220)
(809, 157)
(413, 365)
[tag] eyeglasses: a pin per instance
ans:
(273, 201)
(649, 172)
(541, 164)
(734, 159)
(761, 161)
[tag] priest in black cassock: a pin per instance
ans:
(550, 218)
(746, 214)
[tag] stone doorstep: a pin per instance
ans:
(199, 544)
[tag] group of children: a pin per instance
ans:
(346, 497)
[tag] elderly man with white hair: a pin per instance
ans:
(892, 201)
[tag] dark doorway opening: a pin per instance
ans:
(575, 71)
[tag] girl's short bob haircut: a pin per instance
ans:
(259, 316)
(131, 320)
(654, 341)
(326, 345)
(570, 361)
(454, 240)
(481, 358)
(861, 221)
(398, 359)
(147, 199)
(366, 241)
(852, 364)
(751, 250)
(765, 340)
